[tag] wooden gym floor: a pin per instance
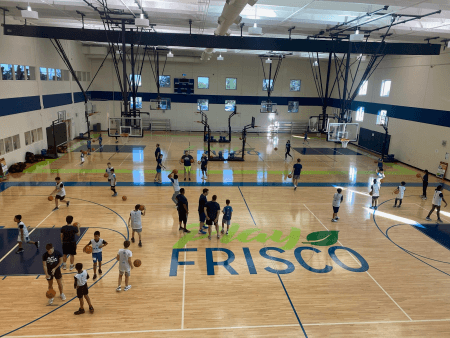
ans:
(387, 277)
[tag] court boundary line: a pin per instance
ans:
(184, 289)
(367, 272)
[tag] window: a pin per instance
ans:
(16, 142)
(203, 82)
(295, 85)
(385, 88)
(83, 76)
(28, 138)
(88, 76)
(43, 72)
(266, 83)
(34, 136)
(164, 81)
(231, 83)
(7, 71)
(20, 72)
(65, 75)
(51, 74)
(382, 117)
(39, 134)
(230, 105)
(363, 89)
(137, 80)
(58, 75)
(168, 105)
(293, 107)
(138, 103)
(2, 147)
(30, 73)
(360, 114)
(62, 115)
(8, 145)
(202, 105)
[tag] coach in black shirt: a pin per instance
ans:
(69, 244)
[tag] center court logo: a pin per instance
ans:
(282, 242)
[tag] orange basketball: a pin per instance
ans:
(240, 138)
(88, 249)
(290, 176)
(124, 198)
(50, 198)
(76, 224)
(199, 162)
(50, 293)
(381, 181)
(105, 175)
(418, 175)
(93, 140)
(84, 152)
(175, 171)
(93, 149)
(137, 262)
(141, 207)
(275, 149)
(375, 161)
(192, 160)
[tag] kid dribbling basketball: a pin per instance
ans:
(135, 222)
(52, 261)
(80, 284)
(23, 234)
(60, 193)
(97, 248)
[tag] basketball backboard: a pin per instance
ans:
(268, 107)
(118, 126)
(338, 131)
(158, 104)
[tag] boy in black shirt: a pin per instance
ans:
(52, 261)
(183, 210)
(212, 211)
(69, 244)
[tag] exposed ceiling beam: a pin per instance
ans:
(228, 42)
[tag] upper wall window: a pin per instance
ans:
(2, 147)
(231, 83)
(88, 76)
(295, 85)
(385, 88)
(266, 83)
(230, 105)
(7, 71)
(58, 75)
(360, 114)
(202, 105)
(51, 74)
(164, 81)
(30, 73)
(203, 82)
(19, 72)
(43, 73)
(363, 88)
(137, 80)
(381, 118)
(138, 102)
(293, 107)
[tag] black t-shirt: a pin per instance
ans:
(182, 200)
(157, 152)
(69, 232)
(52, 260)
(187, 160)
(204, 162)
(211, 209)
(202, 203)
(425, 178)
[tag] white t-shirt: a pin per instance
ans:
(81, 278)
(108, 171)
(376, 190)
(136, 219)
(437, 198)
(124, 254)
(82, 157)
(95, 245)
(62, 190)
(401, 193)
(337, 198)
(113, 180)
(24, 228)
(175, 184)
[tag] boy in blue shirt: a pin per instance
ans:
(89, 147)
(100, 140)
(157, 151)
(204, 165)
(305, 139)
(297, 170)
(288, 150)
(227, 212)
(158, 169)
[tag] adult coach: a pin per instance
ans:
(157, 151)
(201, 211)
(296, 173)
(424, 185)
(69, 244)
(52, 261)
(60, 193)
(183, 210)
(437, 200)
(135, 222)
(187, 160)
(212, 211)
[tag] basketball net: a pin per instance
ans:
(125, 138)
(344, 142)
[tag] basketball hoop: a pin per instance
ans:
(124, 137)
(344, 142)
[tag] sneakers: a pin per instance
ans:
(205, 227)
(295, 188)
(439, 220)
(91, 309)
(37, 244)
(223, 231)
(79, 312)
(185, 178)
(140, 244)
(428, 218)
(334, 220)
(20, 251)
(119, 289)
(95, 276)
(63, 296)
(201, 232)
(209, 237)
(115, 195)
(180, 228)
(68, 202)
(132, 239)
(71, 267)
(50, 301)
(218, 236)
(399, 206)
(186, 230)
(227, 232)
(128, 287)
(424, 198)
(55, 209)
(394, 206)
(64, 266)
(99, 271)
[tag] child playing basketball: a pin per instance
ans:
(80, 284)
(52, 261)
(424, 185)
(375, 193)
(176, 187)
(60, 193)
(288, 150)
(113, 181)
(204, 167)
(100, 140)
(89, 146)
(108, 171)
(124, 257)
(401, 192)
(82, 157)
(135, 222)
(305, 139)
(23, 234)
(159, 166)
(296, 175)
(97, 248)
(437, 200)
(186, 159)
(337, 200)
(227, 212)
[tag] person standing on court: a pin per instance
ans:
(288, 150)
(69, 244)
(187, 160)
(212, 211)
(135, 222)
(183, 210)
(201, 211)
(297, 170)
(437, 200)
(375, 193)
(337, 200)
(157, 151)
(100, 140)
(52, 261)
(305, 139)
(89, 146)
(424, 185)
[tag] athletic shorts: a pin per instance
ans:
(57, 275)
(97, 257)
(25, 239)
(335, 210)
(109, 180)
(82, 291)
(204, 169)
(375, 197)
(202, 216)
(296, 177)
(82, 160)
(69, 248)
(226, 221)
(210, 222)
(182, 217)
(137, 230)
(60, 197)
(126, 273)
(436, 206)
(158, 170)
(113, 187)
(187, 169)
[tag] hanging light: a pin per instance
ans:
(170, 54)
(316, 64)
(29, 14)
(268, 60)
(141, 21)
(220, 57)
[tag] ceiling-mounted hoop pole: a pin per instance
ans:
(4, 15)
(385, 8)
(290, 32)
(190, 26)
(242, 27)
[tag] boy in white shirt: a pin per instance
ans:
(337, 200)
(124, 257)
(375, 193)
(60, 193)
(438, 197)
(113, 181)
(135, 222)
(109, 172)
(23, 237)
(176, 187)
(401, 192)
(80, 284)
(97, 252)
(82, 157)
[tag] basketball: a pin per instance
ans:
(93, 141)
(93, 149)
(396, 191)
(290, 176)
(275, 149)
(381, 181)
(76, 224)
(192, 160)
(88, 249)
(175, 171)
(84, 152)
(418, 175)
(50, 198)
(124, 198)
(375, 161)
(50, 293)
(137, 262)
(142, 207)
(105, 175)
(240, 138)
(198, 162)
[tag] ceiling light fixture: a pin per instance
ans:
(255, 30)
(141, 21)
(268, 60)
(29, 14)
(220, 57)
(170, 55)
(356, 37)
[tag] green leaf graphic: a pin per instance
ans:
(322, 238)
